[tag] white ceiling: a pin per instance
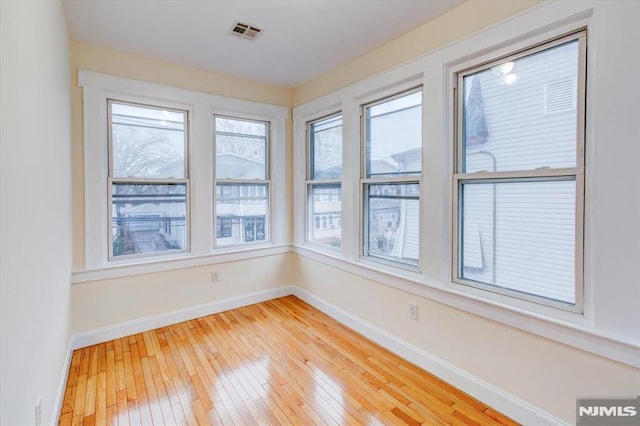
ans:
(301, 39)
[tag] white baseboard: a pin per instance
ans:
(515, 408)
(509, 405)
(62, 386)
(128, 328)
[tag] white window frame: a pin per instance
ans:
(311, 182)
(366, 181)
(231, 181)
(576, 173)
(201, 107)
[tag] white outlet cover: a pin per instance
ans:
(413, 311)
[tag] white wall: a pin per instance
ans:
(36, 207)
(102, 304)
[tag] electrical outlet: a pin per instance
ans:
(38, 413)
(215, 277)
(413, 311)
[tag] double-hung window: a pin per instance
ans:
(392, 170)
(324, 188)
(168, 177)
(148, 181)
(519, 179)
(241, 181)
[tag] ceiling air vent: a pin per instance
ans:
(245, 31)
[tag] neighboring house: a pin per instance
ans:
(327, 216)
(156, 224)
(241, 214)
(238, 166)
(496, 214)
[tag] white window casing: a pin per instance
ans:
(200, 109)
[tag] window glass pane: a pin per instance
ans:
(147, 142)
(326, 213)
(394, 222)
(326, 148)
(148, 218)
(394, 136)
(241, 213)
(520, 236)
(241, 148)
(521, 114)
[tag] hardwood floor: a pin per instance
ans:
(277, 362)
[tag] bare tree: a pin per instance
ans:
(244, 138)
(142, 153)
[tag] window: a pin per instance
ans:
(391, 182)
(324, 188)
(520, 174)
(153, 187)
(148, 180)
(224, 226)
(241, 181)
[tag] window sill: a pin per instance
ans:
(577, 334)
(148, 266)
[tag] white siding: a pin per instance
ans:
(534, 245)
(523, 134)
(521, 235)
(408, 244)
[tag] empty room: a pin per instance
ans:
(319, 212)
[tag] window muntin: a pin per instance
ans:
(148, 185)
(520, 181)
(324, 186)
(241, 181)
(391, 183)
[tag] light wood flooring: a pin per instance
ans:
(280, 362)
